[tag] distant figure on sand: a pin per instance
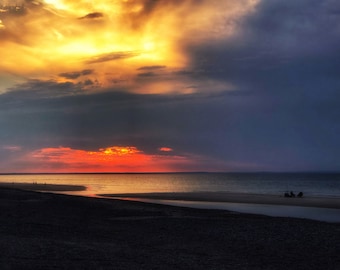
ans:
(300, 194)
(292, 195)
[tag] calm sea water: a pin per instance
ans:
(312, 184)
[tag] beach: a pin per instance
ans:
(41, 230)
(235, 198)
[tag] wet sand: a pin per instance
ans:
(236, 198)
(42, 187)
(54, 231)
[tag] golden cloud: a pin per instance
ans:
(41, 39)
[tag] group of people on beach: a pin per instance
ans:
(292, 194)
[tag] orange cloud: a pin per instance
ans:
(166, 149)
(110, 159)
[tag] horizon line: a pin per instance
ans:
(178, 172)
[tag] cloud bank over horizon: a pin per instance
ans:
(218, 85)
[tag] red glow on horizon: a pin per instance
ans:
(110, 159)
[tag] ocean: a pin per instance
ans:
(311, 184)
(323, 185)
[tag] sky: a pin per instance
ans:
(169, 85)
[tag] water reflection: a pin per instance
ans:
(324, 185)
(314, 213)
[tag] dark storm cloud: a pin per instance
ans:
(75, 75)
(149, 5)
(151, 68)
(91, 16)
(282, 49)
(184, 72)
(278, 36)
(147, 74)
(37, 89)
(111, 57)
(88, 82)
(284, 64)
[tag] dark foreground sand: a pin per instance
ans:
(53, 231)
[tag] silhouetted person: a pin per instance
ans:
(287, 195)
(300, 194)
(292, 194)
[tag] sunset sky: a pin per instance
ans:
(169, 85)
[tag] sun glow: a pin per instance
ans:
(56, 4)
(110, 159)
(119, 151)
(149, 46)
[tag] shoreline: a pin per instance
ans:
(320, 209)
(313, 208)
(320, 202)
(42, 187)
(204, 197)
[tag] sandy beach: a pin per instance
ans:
(236, 198)
(55, 231)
